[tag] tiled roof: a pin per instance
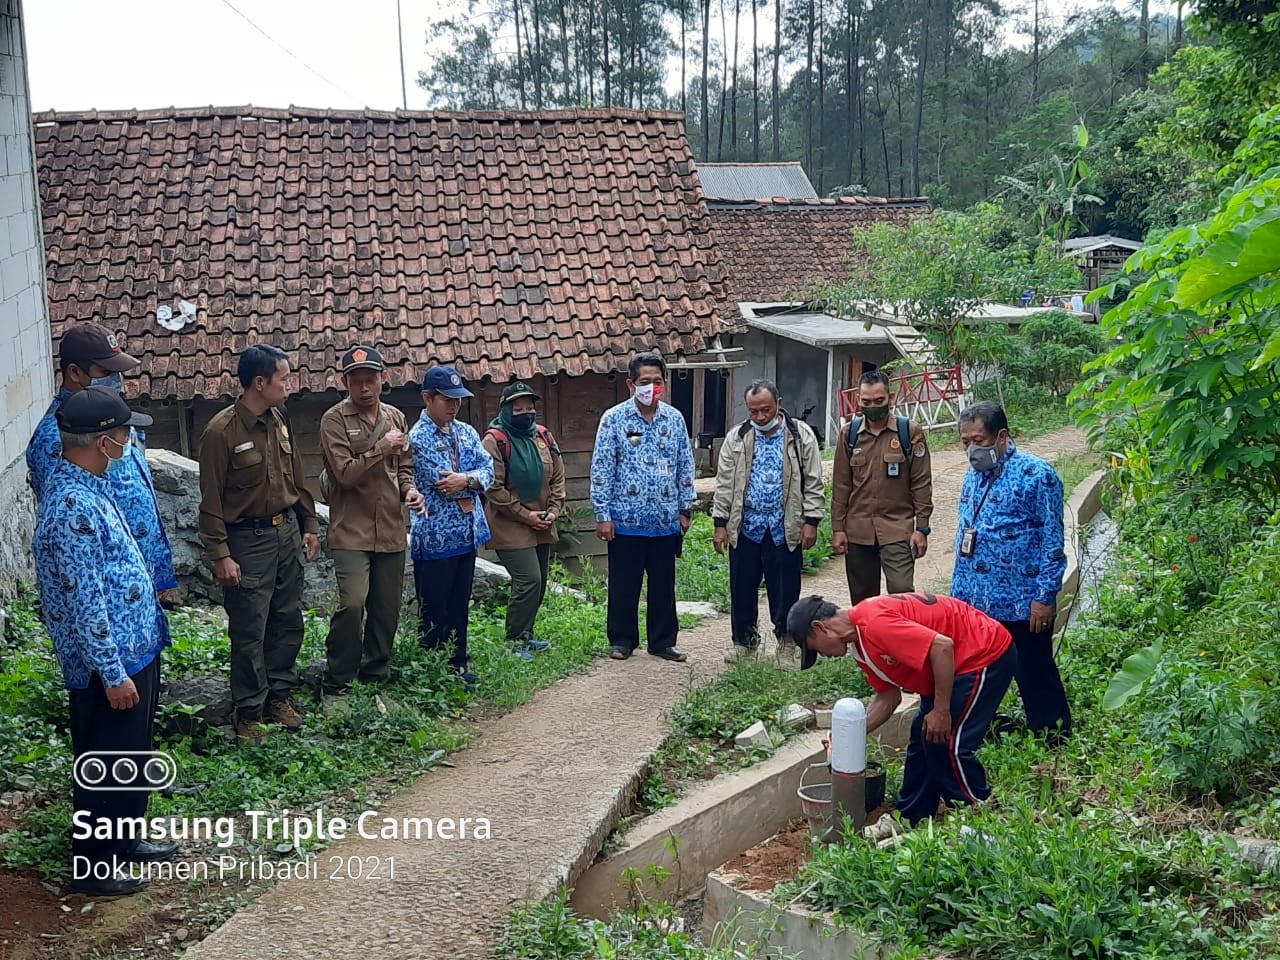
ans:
(775, 249)
(510, 243)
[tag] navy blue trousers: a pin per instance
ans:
(749, 563)
(1044, 699)
(950, 771)
(444, 602)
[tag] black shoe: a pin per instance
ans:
(121, 884)
(469, 680)
(146, 850)
(674, 654)
(619, 653)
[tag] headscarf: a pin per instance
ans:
(526, 472)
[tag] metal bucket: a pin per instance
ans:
(815, 798)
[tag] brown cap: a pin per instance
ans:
(362, 358)
(86, 343)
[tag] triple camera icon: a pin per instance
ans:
(124, 770)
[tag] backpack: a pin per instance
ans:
(326, 478)
(904, 436)
(503, 442)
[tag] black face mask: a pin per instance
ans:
(523, 421)
(876, 414)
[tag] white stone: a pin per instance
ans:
(822, 719)
(795, 716)
(754, 736)
(696, 608)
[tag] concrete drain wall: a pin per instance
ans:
(717, 821)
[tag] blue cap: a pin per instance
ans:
(447, 381)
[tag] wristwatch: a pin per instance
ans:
(925, 530)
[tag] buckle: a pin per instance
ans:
(277, 519)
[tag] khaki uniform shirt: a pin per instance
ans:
(250, 468)
(505, 511)
(868, 504)
(365, 511)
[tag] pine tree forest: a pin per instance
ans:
(1115, 112)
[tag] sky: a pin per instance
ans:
(85, 54)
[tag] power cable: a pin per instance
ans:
(240, 13)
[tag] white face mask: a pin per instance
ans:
(649, 394)
(769, 427)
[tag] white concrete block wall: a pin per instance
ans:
(26, 354)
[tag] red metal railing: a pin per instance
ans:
(928, 392)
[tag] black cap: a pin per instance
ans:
(447, 381)
(86, 343)
(362, 358)
(801, 616)
(97, 410)
(517, 390)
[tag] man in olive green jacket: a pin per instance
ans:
(768, 504)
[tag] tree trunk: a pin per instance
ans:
(537, 56)
(850, 90)
(822, 104)
(605, 66)
(1177, 31)
(564, 55)
(724, 78)
(733, 100)
(755, 81)
(902, 140)
(706, 56)
(777, 89)
(519, 56)
(1035, 54)
(684, 96)
(1144, 24)
(921, 68)
(808, 90)
(948, 36)
(862, 98)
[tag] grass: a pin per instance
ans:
(703, 575)
(1117, 845)
(342, 763)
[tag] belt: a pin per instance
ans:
(258, 523)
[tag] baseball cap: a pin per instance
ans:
(445, 380)
(97, 410)
(803, 612)
(362, 358)
(517, 390)
(86, 343)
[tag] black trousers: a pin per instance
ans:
(444, 600)
(630, 558)
(1044, 699)
(749, 562)
(97, 728)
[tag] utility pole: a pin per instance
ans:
(404, 89)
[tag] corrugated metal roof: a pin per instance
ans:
(752, 181)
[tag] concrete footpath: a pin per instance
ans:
(551, 777)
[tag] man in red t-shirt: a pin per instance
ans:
(957, 658)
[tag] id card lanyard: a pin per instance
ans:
(973, 522)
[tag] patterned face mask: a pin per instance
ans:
(112, 381)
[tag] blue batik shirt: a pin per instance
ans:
(96, 593)
(642, 472)
(1019, 556)
(762, 511)
(130, 485)
(448, 531)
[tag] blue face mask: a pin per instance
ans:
(118, 463)
(112, 381)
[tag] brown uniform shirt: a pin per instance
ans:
(249, 468)
(868, 504)
(368, 489)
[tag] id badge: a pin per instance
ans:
(968, 541)
(893, 468)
